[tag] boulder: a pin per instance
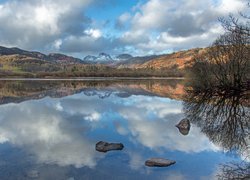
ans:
(159, 162)
(105, 146)
(184, 126)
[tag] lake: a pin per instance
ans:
(49, 129)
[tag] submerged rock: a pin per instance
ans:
(105, 146)
(184, 126)
(32, 174)
(159, 162)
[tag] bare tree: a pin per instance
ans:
(240, 24)
(229, 60)
(217, 99)
(226, 63)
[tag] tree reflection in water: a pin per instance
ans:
(224, 117)
(234, 171)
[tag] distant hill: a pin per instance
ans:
(14, 50)
(63, 59)
(123, 57)
(55, 57)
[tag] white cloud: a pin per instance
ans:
(59, 107)
(46, 18)
(95, 33)
(177, 24)
(231, 6)
(57, 44)
(37, 24)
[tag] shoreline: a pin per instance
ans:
(91, 78)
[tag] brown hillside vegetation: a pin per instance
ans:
(179, 59)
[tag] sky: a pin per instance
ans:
(88, 27)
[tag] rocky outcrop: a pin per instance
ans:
(184, 126)
(105, 146)
(159, 162)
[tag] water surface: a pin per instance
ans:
(48, 130)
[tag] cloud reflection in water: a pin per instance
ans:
(55, 130)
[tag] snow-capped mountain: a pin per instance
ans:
(89, 58)
(102, 58)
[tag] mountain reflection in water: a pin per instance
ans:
(18, 91)
(52, 128)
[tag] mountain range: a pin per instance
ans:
(18, 61)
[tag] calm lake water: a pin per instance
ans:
(48, 130)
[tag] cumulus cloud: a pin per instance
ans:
(152, 26)
(37, 24)
(177, 24)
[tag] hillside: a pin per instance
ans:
(23, 54)
(14, 50)
(23, 63)
(178, 59)
(135, 61)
